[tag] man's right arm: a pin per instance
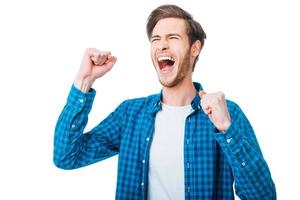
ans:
(72, 148)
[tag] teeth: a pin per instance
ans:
(165, 58)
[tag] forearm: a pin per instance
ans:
(252, 176)
(69, 129)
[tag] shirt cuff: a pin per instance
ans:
(80, 100)
(235, 144)
(231, 140)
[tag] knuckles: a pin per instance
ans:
(220, 94)
(96, 52)
(213, 98)
(89, 50)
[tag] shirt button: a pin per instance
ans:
(142, 184)
(188, 165)
(81, 100)
(143, 161)
(243, 164)
(147, 139)
(73, 126)
(187, 141)
(228, 140)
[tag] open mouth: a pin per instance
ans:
(165, 62)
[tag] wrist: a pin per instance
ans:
(83, 83)
(225, 126)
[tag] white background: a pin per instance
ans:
(250, 53)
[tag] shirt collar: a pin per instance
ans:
(195, 102)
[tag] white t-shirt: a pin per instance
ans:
(166, 165)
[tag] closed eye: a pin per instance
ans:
(154, 39)
(174, 37)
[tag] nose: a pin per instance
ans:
(163, 45)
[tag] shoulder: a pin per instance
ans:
(235, 110)
(140, 102)
(233, 107)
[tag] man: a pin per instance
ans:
(179, 144)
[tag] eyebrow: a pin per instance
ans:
(168, 35)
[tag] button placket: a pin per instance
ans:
(243, 164)
(228, 140)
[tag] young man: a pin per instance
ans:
(179, 144)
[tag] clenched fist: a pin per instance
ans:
(95, 63)
(214, 105)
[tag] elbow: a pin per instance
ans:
(62, 165)
(273, 192)
(268, 192)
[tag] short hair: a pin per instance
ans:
(193, 28)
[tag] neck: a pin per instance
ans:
(180, 95)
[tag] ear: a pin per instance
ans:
(196, 48)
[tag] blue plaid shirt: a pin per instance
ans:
(212, 160)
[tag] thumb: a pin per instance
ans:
(111, 60)
(202, 93)
(207, 109)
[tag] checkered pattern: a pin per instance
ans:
(213, 161)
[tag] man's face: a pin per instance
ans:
(170, 51)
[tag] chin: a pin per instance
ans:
(169, 83)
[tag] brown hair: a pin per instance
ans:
(193, 28)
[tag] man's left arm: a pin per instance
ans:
(236, 137)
